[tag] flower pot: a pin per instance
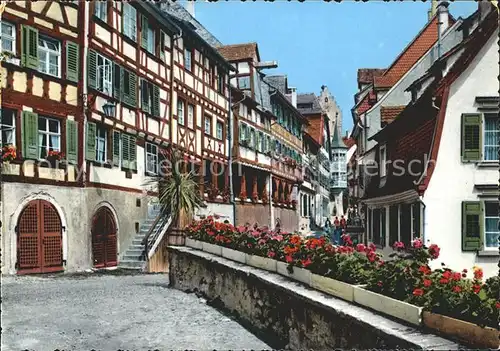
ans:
(212, 248)
(299, 274)
(333, 287)
(466, 332)
(260, 262)
(392, 307)
(195, 244)
(233, 255)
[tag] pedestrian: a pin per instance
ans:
(327, 228)
(342, 222)
(337, 231)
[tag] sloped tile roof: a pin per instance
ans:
(308, 98)
(367, 102)
(389, 113)
(349, 142)
(239, 51)
(365, 75)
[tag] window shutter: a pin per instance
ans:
(132, 86)
(72, 61)
(155, 109)
(162, 46)
(472, 226)
(144, 32)
(117, 82)
(30, 135)
(144, 96)
(92, 69)
(125, 151)
(471, 137)
(116, 148)
(132, 153)
(241, 134)
(72, 141)
(29, 47)
(90, 142)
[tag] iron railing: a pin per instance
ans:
(156, 234)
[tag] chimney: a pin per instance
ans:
(484, 7)
(433, 9)
(190, 7)
(293, 95)
(443, 22)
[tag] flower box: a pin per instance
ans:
(233, 255)
(395, 308)
(212, 248)
(260, 262)
(299, 274)
(333, 287)
(466, 332)
(195, 244)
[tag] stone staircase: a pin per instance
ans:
(134, 256)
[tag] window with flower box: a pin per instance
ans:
(8, 125)
(49, 136)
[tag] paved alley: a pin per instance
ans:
(111, 312)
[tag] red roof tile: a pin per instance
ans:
(239, 51)
(365, 75)
(389, 113)
(349, 142)
(367, 102)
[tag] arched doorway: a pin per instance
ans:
(104, 251)
(39, 239)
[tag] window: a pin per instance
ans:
(104, 73)
(220, 84)
(190, 116)
(491, 230)
(187, 59)
(101, 10)
(8, 37)
(150, 98)
(129, 21)
(180, 112)
(491, 134)
(208, 124)
(100, 144)
(220, 128)
(49, 136)
(151, 40)
(49, 55)
(8, 126)
(383, 161)
(244, 83)
(151, 158)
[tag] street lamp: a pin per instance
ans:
(109, 109)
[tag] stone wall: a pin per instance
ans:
(250, 213)
(284, 313)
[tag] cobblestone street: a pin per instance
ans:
(111, 312)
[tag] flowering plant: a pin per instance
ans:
(9, 153)
(265, 197)
(55, 155)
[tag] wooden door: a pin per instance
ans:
(104, 239)
(39, 239)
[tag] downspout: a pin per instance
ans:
(270, 187)
(423, 217)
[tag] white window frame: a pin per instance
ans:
(180, 112)
(104, 75)
(219, 132)
(45, 51)
(495, 247)
(48, 134)
(151, 34)
(6, 128)
(129, 21)
(190, 60)
(101, 9)
(104, 139)
(383, 161)
(8, 37)
(152, 153)
(483, 151)
(208, 127)
(190, 116)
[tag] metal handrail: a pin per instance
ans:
(147, 238)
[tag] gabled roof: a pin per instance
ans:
(424, 40)
(365, 75)
(237, 52)
(310, 99)
(279, 82)
(337, 143)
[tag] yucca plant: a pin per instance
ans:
(178, 192)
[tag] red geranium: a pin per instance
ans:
(418, 292)
(427, 283)
(457, 289)
(434, 251)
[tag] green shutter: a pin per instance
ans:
(116, 148)
(144, 96)
(30, 135)
(90, 141)
(131, 97)
(125, 151)
(472, 226)
(72, 61)
(269, 144)
(133, 153)
(29, 47)
(72, 141)
(117, 82)
(92, 69)
(144, 32)
(471, 137)
(155, 109)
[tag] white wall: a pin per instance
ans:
(452, 181)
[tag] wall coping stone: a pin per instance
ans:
(418, 338)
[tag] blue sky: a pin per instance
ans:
(318, 43)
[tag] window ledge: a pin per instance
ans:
(488, 253)
(487, 164)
